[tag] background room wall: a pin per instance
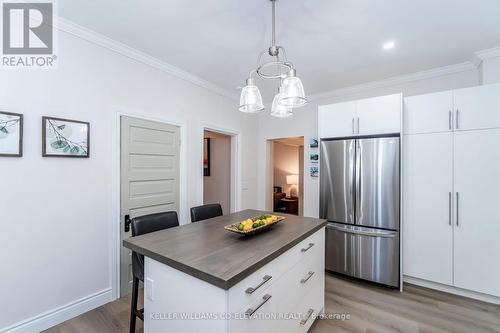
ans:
(217, 186)
(57, 216)
(304, 121)
(286, 162)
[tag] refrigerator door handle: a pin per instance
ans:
(457, 208)
(357, 130)
(357, 173)
(352, 125)
(375, 233)
(457, 125)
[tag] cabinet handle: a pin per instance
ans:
(457, 124)
(308, 315)
(357, 126)
(307, 248)
(264, 280)
(251, 311)
(457, 208)
(450, 120)
(353, 125)
(449, 208)
(304, 280)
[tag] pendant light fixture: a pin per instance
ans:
(291, 92)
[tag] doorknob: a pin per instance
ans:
(127, 223)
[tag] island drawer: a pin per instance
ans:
(253, 287)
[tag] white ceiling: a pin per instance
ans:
(332, 43)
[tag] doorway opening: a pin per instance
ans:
(218, 169)
(286, 175)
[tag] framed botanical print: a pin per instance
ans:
(11, 134)
(65, 138)
(206, 157)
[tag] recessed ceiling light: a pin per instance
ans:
(388, 45)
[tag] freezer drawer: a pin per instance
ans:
(365, 253)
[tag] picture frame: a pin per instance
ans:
(206, 157)
(314, 157)
(65, 138)
(313, 143)
(314, 171)
(11, 134)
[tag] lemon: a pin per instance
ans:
(247, 227)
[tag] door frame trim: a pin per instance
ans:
(235, 196)
(116, 157)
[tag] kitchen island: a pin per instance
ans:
(202, 278)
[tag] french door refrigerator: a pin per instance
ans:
(359, 196)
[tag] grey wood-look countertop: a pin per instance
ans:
(208, 252)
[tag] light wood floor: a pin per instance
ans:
(371, 309)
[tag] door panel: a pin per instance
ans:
(337, 181)
(377, 183)
(336, 120)
(477, 107)
(477, 228)
(428, 113)
(149, 177)
(365, 253)
(379, 115)
(428, 185)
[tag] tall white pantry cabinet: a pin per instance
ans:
(451, 234)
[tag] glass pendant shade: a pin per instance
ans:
(278, 110)
(292, 92)
(250, 98)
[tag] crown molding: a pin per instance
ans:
(488, 54)
(423, 75)
(79, 31)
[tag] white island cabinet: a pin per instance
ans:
(271, 282)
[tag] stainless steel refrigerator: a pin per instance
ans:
(359, 196)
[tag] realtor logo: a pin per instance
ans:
(28, 35)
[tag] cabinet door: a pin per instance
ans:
(336, 120)
(379, 115)
(427, 224)
(477, 107)
(477, 228)
(428, 113)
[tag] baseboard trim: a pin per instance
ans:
(452, 290)
(58, 315)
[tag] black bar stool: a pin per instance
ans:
(143, 225)
(205, 212)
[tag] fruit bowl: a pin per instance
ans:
(254, 225)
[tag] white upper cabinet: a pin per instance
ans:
(379, 115)
(336, 120)
(477, 107)
(477, 221)
(429, 113)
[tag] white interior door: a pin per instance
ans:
(427, 232)
(428, 113)
(477, 182)
(149, 177)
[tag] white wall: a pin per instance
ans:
(304, 121)
(57, 228)
(217, 186)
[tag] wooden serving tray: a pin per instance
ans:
(234, 227)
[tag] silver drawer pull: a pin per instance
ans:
(264, 280)
(308, 315)
(307, 248)
(304, 280)
(251, 311)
